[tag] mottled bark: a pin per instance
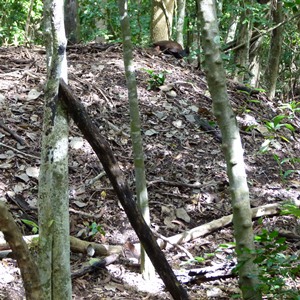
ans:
(232, 148)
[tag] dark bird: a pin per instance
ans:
(171, 47)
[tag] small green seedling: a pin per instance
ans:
(156, 79)
(33, 225)
(95, 228)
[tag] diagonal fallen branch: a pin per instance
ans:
(114, 173)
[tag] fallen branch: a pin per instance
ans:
(186, 236)
(29, 270)
(12, 133)
(81, 246)
(95, 266)
(77, 246)
(210, 273)
(114, 173)
(20, 152)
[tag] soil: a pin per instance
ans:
(184, 163)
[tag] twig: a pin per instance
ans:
(178, 184)
(93, 180)
(13, 134)
(94, 267)
(165, 239)
(98, 216)
(18, 151)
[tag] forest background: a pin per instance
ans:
(260, 51)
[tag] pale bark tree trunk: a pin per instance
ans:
(27, 25)
(161, 20)
(232, 148)
(102, 23)
(255, 60)
(243, 39)
(147, 268)
(180, 21)
(53, 203)
(275, 49)
(231, 32)
(72, 21)
(255, 54)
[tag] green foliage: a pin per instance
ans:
(285, 173)
(276, 124)
(292, 106)
(273, 128)
(33, 225)
(290, 209)
(277, 270)
(140, 21)
(222, 248)
(95, 228)
(90, 230)
(198, 259)
(275, 267)
(13, 21)
(156, 79)
(93, 11)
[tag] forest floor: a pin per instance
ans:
(186, 171)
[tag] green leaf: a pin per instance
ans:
(199, 259)
(290, 127)
(284, 138)
(288, 173)
(290, 209)
(254, 101)
(29, 223)
(278, 118)
(265, 146)
(33, 225)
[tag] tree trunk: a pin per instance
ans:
(180, 21)
(242, 53)
(275, 49)
(114, 173)
(102, 22)
(147, 268)
(26, 263)
(255, 59)
(72, 21)
(161, 20)
(232, 148)
(53, 202)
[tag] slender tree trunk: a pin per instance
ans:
(161, 20)
(114, 173)
(275, 49)
(72, 21)
(180, 21)
(242, 53)
(232, 148)
(27, 25)
(136, 137)
(255, 60)
(231, 32)
(53, 203)
(102, 22)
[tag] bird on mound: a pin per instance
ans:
(171, 47)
